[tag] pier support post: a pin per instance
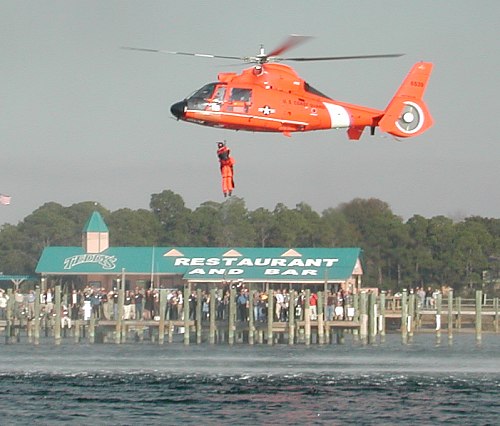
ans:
(120, 287)
(355, 304)
(320, 319)
(450, 316)
(76, 327)
(260, 337)
(495, 307)
(232, 316)
(340, 336)
(459, 313)
(291, 318)
(57, 316)
(9, 317)
(479, 301)
(411, 315)
(36, 320)
(439, 299)
(404, 316)
(307, 317)
(381, 325)
(92, 329)
(213, 306)
(161, 324)
(372, 319)
(199, 303)
(185, 306)
(170, 331)
(418, 314)
(270, 316)
(251, 316)
(363, 317)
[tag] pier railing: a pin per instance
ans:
(393, 304)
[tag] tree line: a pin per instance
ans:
(396, 254)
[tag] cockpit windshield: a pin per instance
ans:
(199, 99)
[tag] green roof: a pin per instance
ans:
(95, 223)
(208, 263)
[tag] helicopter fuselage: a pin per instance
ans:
(271, 98)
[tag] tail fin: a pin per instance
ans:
(407, 115)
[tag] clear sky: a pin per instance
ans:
(82, 119)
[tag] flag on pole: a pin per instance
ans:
(5, 199)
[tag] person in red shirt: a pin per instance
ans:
(313, 302)
(226, 168)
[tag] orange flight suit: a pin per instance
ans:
(226, 169)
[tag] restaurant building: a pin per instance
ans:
(96, 264)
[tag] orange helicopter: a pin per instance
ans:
(271, 97)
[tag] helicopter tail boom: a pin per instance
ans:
(407, 114)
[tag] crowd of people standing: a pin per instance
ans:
(141, 304)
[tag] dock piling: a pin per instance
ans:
(36, 320)
(212, 307)
(57, 316)
(270, 317)
(381, 326)
(372, 319)
(479, 300)
(450, 316)
(232, 316)
(161, 324)
(307, 317)
(411, 315)
(404, 316)
(291, 318)
(439, 299)
(185, 307)
(363, 317)
(251, 318)
(495, 308)
(320, 319)
(9, 316)
(199, 303)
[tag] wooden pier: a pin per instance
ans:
(372, 316)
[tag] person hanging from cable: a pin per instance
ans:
(226, 168)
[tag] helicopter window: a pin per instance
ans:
(199, 99)
(219, 94)
(310, 89)
(205, 92)
(240, 95)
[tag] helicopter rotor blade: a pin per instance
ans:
(200, 55)
(292, 41)
(262, 58)
(339, 58)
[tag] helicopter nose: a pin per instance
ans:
(178, 109)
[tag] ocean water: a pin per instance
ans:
(351, 384)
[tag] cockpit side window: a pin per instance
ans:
(219, 94)
(240, 95)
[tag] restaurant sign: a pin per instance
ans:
(233, 266)
(107, 262)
